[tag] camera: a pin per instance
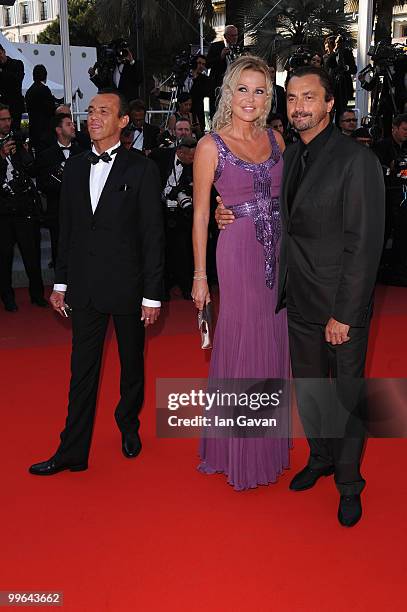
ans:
(385, 53)
(180, 196)
(181, 67)
(301, 57)
(184, 198)
(109, 55)
(235, 52)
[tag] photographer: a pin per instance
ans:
(392, 153)
(220, 55)
(49, 171)
(386, 79)
(11, 81)
(175, 166)
(183, 112)
(145, 135)
(198, 85)
(116, 68)
(19, 215)
(340, 65)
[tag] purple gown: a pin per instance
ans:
(250, 340)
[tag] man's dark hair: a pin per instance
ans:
(194, 60)
(347, 110)
(399, 119)
(127, 131)
(183, 97)
(183, 119)
(4, 106)
(59, 119)
(39, 73)
(123, 104)
(137, 105)
(324, 78)
(187, 142)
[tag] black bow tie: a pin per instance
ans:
(65, 148)
(106, 157)
(138, 129)
(179, 163)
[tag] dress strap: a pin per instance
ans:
(223, 152)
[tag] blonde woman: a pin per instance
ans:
(244, 161)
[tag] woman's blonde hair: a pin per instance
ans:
(223, 115)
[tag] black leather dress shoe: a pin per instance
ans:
(39, 301)
(350, 510)
(50, 467)
(308, 477)
(131, 445)
(10, 306)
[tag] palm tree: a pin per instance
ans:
(294, 23)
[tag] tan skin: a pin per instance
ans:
(105, 125)
(66, 132)
(308, 111)
(248, 142)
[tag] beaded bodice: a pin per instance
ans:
(252, 190)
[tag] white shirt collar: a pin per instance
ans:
(118, 144)
(64, 146)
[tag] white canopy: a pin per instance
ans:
(10, 49)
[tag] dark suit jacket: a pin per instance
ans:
(114, 257)
(164, 158)
(150, 136)
(129, 83)
(217, 65)
(333, 238)
(41, 108)
(11, 80)
(46, 162)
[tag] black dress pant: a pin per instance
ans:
(88, 335)
(26, 233)
(330, 395)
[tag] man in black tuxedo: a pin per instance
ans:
(40, 107)
(145, 135)
(175, 166)
(220, 55)
(11, 81)
(49, 171)
(332, 211)
(110, 262)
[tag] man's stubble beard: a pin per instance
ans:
(312, 123)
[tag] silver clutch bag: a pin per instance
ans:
(205, 326)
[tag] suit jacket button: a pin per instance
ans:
(93, 227)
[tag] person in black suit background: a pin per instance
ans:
(175, 166)
(40, 105)
(278, 103)
(49, 171)
(19, 215)
(332, 211)
(145, 135)
(198, 85)
(340, 65)
(11, 81)
(125, 74)
(50, 138)
(110, 262)
(220, 55)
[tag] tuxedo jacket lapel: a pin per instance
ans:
(83, 182)
(115, 177)
(290, 163)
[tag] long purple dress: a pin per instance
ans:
(250, 340)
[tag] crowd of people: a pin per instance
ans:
(134, 210)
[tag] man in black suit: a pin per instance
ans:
(175, 166)
(145, 135)
(11, 81)
(110, 262)
(333, 225)
(40, 107)
(220, 55)
(332, 210)
(125, 74)
(340, 65)
(49, 171)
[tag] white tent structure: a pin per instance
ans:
(10, 49)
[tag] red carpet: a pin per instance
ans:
(154, 534)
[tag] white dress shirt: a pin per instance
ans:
(97, 180)
(65, 149)
(138, 141)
